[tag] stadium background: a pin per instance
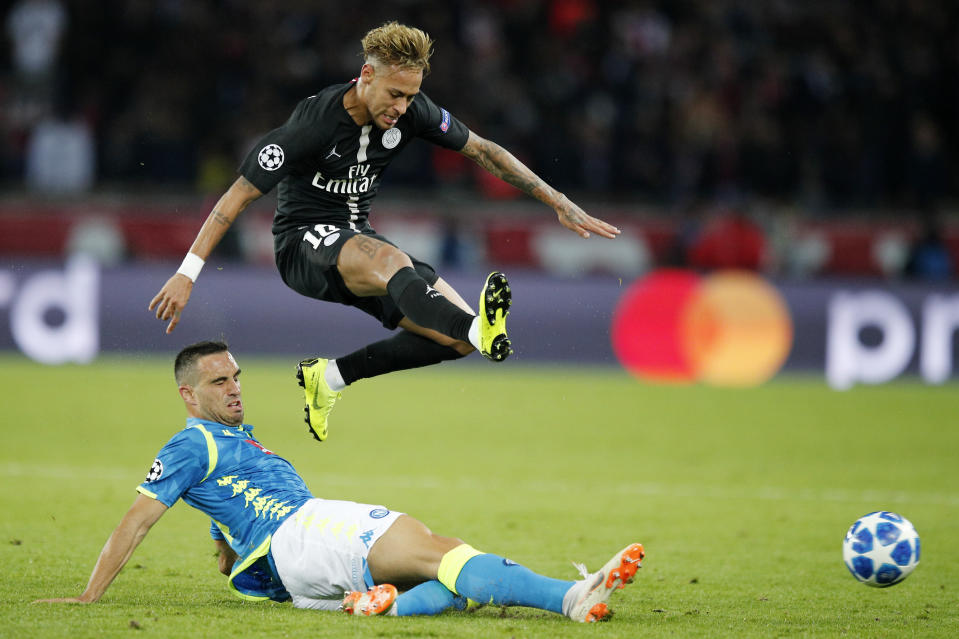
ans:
(814, 144)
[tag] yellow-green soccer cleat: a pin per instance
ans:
(319, 396)
(494, 304)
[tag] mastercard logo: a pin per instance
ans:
(729, 328)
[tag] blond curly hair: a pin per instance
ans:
(396, 44)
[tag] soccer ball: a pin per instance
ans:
(881, 549)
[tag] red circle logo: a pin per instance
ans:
(729, 328)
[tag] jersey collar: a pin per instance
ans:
(242, 428)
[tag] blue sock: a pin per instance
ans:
(430, 598)
(492, 579)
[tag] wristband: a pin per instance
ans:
(192, 264)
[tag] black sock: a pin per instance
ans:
(424, 306)
(403, 351)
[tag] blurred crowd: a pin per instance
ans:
(802, 107)
(828, 103)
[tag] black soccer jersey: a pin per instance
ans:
(328, 168)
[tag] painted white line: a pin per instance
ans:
(321, 482)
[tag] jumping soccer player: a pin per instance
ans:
(277, 541)
(327, 160)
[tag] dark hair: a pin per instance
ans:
(186, 358)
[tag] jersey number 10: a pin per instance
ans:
(327, 235)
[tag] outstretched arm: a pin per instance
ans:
(174, 295)
(128, 534)
(506, 167)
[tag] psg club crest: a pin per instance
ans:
(156, 470)
(391, 137)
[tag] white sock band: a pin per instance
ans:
(474, 335)
(191, 267)
(333, 377)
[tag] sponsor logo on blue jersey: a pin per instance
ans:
(445, 124)
(266, 506)
(260, 446)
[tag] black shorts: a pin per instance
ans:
(306, 259)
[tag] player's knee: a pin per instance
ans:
(439, 547)
(390, 259)
(462, 348)
(366, 266)
(449, 542)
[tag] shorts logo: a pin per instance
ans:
(379, 513)
(366, 537)
(391, 137)
(509, 562)
(445, 124)
(156, 470)
(270, 157)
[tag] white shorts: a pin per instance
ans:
(320, 551)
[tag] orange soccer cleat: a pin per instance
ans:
(378, 600)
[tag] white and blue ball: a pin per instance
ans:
(881, 549)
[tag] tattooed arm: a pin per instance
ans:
(503, 165)
(224, 213)
(174, 295)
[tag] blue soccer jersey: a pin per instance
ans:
(223, 471)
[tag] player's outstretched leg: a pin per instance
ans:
(310, 374)
(378, 600)
(496, 580)
(586, 601)
(494, 303)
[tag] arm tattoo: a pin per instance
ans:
(248, 186)
(220, 218)
(501, 163)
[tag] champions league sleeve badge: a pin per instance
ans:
(156, 470)
(270, 157)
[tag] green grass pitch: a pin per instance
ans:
(740, 497)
